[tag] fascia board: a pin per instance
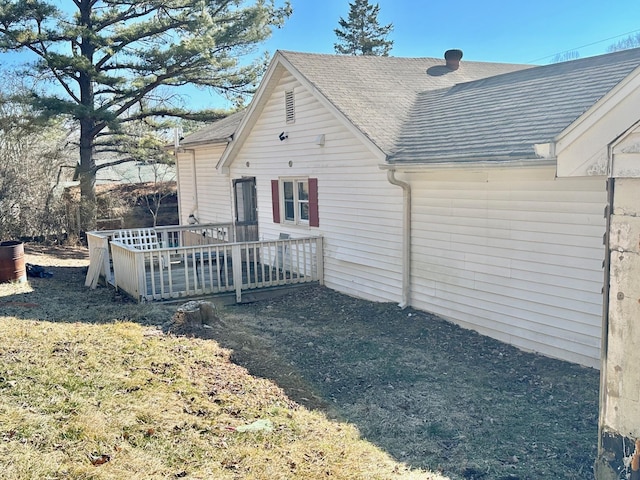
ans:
(598, 110)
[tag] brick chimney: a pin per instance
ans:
(453, 59)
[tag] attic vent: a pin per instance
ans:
(452, 58)
(289, 106)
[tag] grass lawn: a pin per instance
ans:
(310, 385)
(91, 389)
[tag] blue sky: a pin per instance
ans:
(516, 31)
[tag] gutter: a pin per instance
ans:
(546, 158)
(479, 164)
(406, 236)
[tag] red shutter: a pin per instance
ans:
(275, 201)
(314, 219)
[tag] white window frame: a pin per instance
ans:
(297, 202)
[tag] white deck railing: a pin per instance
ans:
(168, 236)
(200, 260)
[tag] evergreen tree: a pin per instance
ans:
(117, 62)
(361, 34)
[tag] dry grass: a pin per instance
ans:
(86, 393)
(364, 390)
(431, 394)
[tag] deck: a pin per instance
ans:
(191, 261)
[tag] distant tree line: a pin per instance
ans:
(632, 41)
(34, 162)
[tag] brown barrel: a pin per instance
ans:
(12, 266)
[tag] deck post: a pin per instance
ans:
(142, 278)
(106, 261)
(236, 262)
(320, 260)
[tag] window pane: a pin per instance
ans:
(289, 201)
(240, 212)
(289, 210)
(288, 190)
(304, 211)
(249, 200)
(303, 191)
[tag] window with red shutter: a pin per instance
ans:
(314, 218)
(275, 201)
(298, 197)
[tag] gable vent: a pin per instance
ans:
(289, 106)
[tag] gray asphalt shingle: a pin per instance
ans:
(416, 110)
(377, 93)
(502, 117)
(217, 132)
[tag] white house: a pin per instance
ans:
(203, 193)
(476, 191)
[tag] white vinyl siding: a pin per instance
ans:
(214, 188)
(360, 212)
(186, 186)
(516, 256)
(514, 253)
(200, 178)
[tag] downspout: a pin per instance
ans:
(406, 236)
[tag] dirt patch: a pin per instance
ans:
(63, 297)
(58, 255)
(431, 394)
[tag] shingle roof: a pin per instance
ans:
(217, 132)
(502, 117)
(416, 110)
(377, 93)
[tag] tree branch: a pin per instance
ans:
(116, 162)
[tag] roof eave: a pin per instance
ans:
(208, 142)
(489, 162)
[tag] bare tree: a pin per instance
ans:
(162, 187)
(565, 56)
(34, 162)
(632, 41)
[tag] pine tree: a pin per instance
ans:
(118, 62)
(361, 34)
